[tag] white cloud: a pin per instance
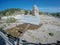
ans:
(50, 9)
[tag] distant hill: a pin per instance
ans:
(56, 14)
(14, 11)
(8, 11)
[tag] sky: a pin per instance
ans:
(43, 5)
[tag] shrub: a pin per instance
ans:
(51, 34)
(11, 20)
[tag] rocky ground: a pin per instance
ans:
(49, 32)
